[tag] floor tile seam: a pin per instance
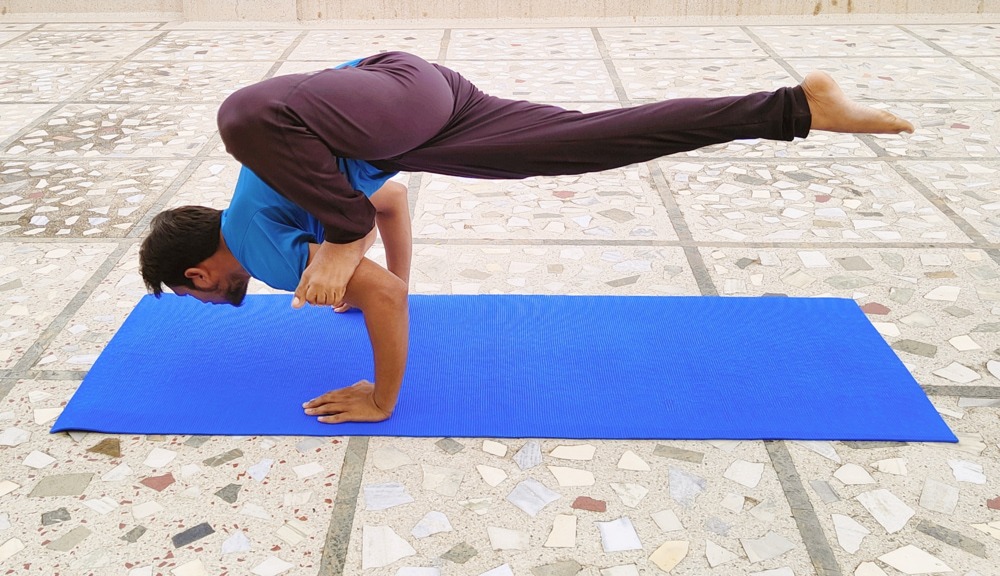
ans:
(942, 206)
(693, 243)
(444, 45)
(713, 244)
(772, 53)
(18, 37)
(338, 536)
(529, 24)
(36, 374)
(140, 225)
(806, 519)
(56, 326)
(280, 61)
(609, 65)
(937, 390)
(28, 240)
(696, 263)
(41, 120)
(960, 59)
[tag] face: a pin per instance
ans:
(230, 290)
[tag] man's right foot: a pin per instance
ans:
(833, 111)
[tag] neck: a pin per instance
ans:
(226, 257)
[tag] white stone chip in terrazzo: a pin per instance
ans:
(236, 543)
(192, 568)
(531, 496)
(631, 461)
(896, 466)
(416, 571)
(717, 555)
(965, 471)
(563, 534)
(502, 570)
(746, 473)
(912, 560)
(381, 546)
(823, 448)
(669, 554)
(388, 458)
(850, 534)
(771, 545)
(886, 508)
(619, 535)
(993, 529)
(385, 495)
(441, 479)
(630, 494)
(853, 474)
(432, 523)
(495, 448)
(939, 497)
(667, 521)
(577, 452)
(492, 476)
(572, 476)
(14, 437)
(159, 457)
(507, 539)
(783, 571)
(958, 373)
(272, 566)
(869, 569)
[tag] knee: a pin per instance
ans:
(390, 198)
(242, 119)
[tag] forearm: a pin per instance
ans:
(394, 227)
(382, 298)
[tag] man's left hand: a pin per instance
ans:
(352, 404)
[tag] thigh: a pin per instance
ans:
(388, 105)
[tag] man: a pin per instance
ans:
(318, 149)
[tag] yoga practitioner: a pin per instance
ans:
(318, 151)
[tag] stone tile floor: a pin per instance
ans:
(104, 124)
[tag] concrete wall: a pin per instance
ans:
(320, 10)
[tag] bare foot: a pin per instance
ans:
(833, 111)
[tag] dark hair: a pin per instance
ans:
(178, 239)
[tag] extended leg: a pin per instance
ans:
(491, 137)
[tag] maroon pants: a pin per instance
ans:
(399, 112)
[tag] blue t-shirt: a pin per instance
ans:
(270, 235)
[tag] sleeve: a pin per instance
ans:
(275, 253)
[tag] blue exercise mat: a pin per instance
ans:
(515, 366)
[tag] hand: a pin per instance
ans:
(325, 278)
(352, 404)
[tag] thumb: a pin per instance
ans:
(299, 299)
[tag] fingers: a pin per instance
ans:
(308, 292)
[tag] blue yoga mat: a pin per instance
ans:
(515, 366)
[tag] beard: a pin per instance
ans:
(237, 291)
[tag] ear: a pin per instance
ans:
(199, 275)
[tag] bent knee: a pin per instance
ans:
(390, 197)
(243, 118)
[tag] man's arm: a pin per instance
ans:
(330, 267)
(382, 297)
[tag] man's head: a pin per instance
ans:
(184, 251)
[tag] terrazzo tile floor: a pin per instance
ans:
(104, 124)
